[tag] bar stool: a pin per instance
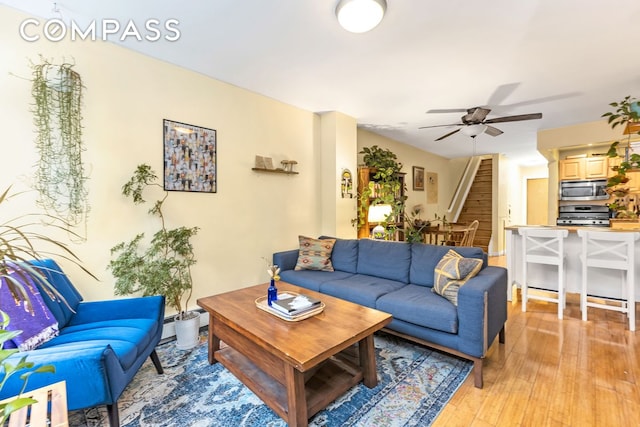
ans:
(610, 250)
(543, 246)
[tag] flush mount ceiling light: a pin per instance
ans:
(360, 16)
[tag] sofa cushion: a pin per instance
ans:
(453, 271)
(360, 289)
(345, 254)
(127, 337)
(424, 259)
(380, 258)
(414, 304)
(315, 254)
(311, 279)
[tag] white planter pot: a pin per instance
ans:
(187, 331)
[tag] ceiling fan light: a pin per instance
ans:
(360, 16)
(473, 130)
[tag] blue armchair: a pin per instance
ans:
(100, 346)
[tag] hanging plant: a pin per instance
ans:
(60, 176)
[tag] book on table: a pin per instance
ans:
(292, 305)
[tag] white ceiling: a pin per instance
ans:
(566, 59)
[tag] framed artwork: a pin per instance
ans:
(190, 160)
(432, 187)
(418, 178)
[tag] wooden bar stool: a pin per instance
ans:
(543, 246)
(610, 250)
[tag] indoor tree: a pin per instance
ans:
(161, 265)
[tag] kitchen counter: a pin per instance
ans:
(574, 229)
(603, 281)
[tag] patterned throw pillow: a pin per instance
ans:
(452, 272)
(315, 254)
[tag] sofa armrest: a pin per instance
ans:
(87, 370)
(477, 327)
(286, 260)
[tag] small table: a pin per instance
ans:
(296, 368)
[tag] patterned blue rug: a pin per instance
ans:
(415, 383)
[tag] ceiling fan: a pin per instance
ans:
(475, 121)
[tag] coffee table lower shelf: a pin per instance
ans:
(323, 385)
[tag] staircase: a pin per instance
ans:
(478, 205)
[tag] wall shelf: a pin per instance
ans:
(274, 171)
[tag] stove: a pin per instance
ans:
(583, 215)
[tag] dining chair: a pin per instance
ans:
(470, 235)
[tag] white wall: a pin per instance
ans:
(126, 98)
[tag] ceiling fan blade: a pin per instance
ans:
(447, 135)
(476, 115)
(517, 118)
(447, 110)
(541, 100)
(440, 126)
(493, 131)
(501, 93)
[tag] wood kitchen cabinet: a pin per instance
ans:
(584, 168)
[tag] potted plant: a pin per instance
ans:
(415, 226)
(20, 243)
(384, 188)
(625, 113)
(160, 266)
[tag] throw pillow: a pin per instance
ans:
(38, 325)
(452, 272)
(315, 254)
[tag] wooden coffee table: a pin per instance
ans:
(296, 368)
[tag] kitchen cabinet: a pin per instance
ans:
(583, 168)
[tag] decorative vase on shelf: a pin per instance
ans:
(272, 292)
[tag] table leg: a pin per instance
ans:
(368, 361)
(296, 397)
(214, 342)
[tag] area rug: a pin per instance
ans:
(415, 383)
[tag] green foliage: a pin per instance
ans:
(57, 113)
(161, 266)
(624, 112)
(23, 368)
(415, 225)
(19, 243)
(387, 186)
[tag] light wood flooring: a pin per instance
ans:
(554, 372)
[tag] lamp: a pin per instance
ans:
(378, 213)
(360, 16)
(473, 130)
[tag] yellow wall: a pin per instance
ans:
(252, 214)
(126, 98)
(449, 171)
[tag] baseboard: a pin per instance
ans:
(169, 327)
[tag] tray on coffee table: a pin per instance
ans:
(261, 303)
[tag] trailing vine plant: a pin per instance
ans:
(60, 176)
(386, 189)
(625, 112)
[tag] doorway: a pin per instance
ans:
(537, 201)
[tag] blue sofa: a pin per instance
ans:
(100, 346)
(397, 277)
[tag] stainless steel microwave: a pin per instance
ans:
(588, 189)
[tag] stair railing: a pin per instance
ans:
(462, 189)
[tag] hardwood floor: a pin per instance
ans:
(554, 372)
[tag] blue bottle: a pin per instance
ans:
(272, 292)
